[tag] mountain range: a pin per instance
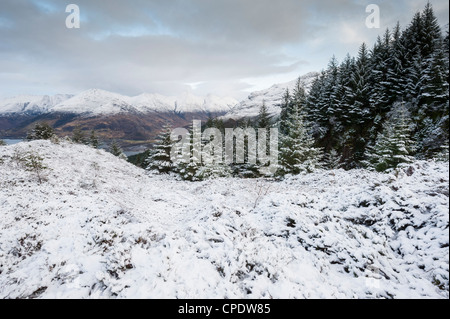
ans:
(133, 120)
(99, 102)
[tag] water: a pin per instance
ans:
(11, 142)
(131, 153)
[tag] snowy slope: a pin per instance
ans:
(100, 102)
(185, 103)
(95, 102)
(272, 97)
(99, 227)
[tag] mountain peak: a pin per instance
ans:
(272, 97)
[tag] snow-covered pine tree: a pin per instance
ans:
(264, 118)
(286, 108)
(394, 144)
(398, 65)
(430, 32)
(159, 159)
(41, 131)
(213, 170)
(188, 170)
(332, 160)
(315, 106)
(116, 150)
(362, 111)
(212, 164)
(443, 155)
(297, 151)
(381, 95)
(344, 91)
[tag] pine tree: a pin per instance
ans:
(443, 155)
(434, 82)
(249, 168)
(78, 136)
(41, 131)
(312, 106)
(398, 65)
(332, 160)
(430, 32)
(297, 151)
(2, 142)
(344, 92)
(381, 95)
(93, 140)
(286, 108)
(264, 119)
(188, 170)
(394, 144)
(116, 150)
(159, 159)
(361, 111)
(213, 170)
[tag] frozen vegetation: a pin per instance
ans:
(81, 223)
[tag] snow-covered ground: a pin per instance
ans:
(98, 227)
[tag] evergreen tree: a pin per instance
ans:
(78, 136)
(443, 155)
(116, 150)
(2, 142)
(344, 91)
(332, 160)
(430, 32)
(213, 170)
(382, 95)
(286, 108)
(362, 111)
(394, 144)
(93, 140)
(160, 156)
(297, 151)
(398, 65)
(188, 170)
(316, 106)
(264, 119)
(41, 131)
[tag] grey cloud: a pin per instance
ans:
(218, 43)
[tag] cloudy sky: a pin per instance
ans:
(224, 47)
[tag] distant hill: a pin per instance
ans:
(112, 115)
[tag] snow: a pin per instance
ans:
(272, 97)
(99, 102)
(98, 227)
(31, 103)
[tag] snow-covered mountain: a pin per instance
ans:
(99, 102)
(98, 227)
(31, 104)
(272, 97)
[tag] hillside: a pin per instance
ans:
(99, 227)
(272, 97)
